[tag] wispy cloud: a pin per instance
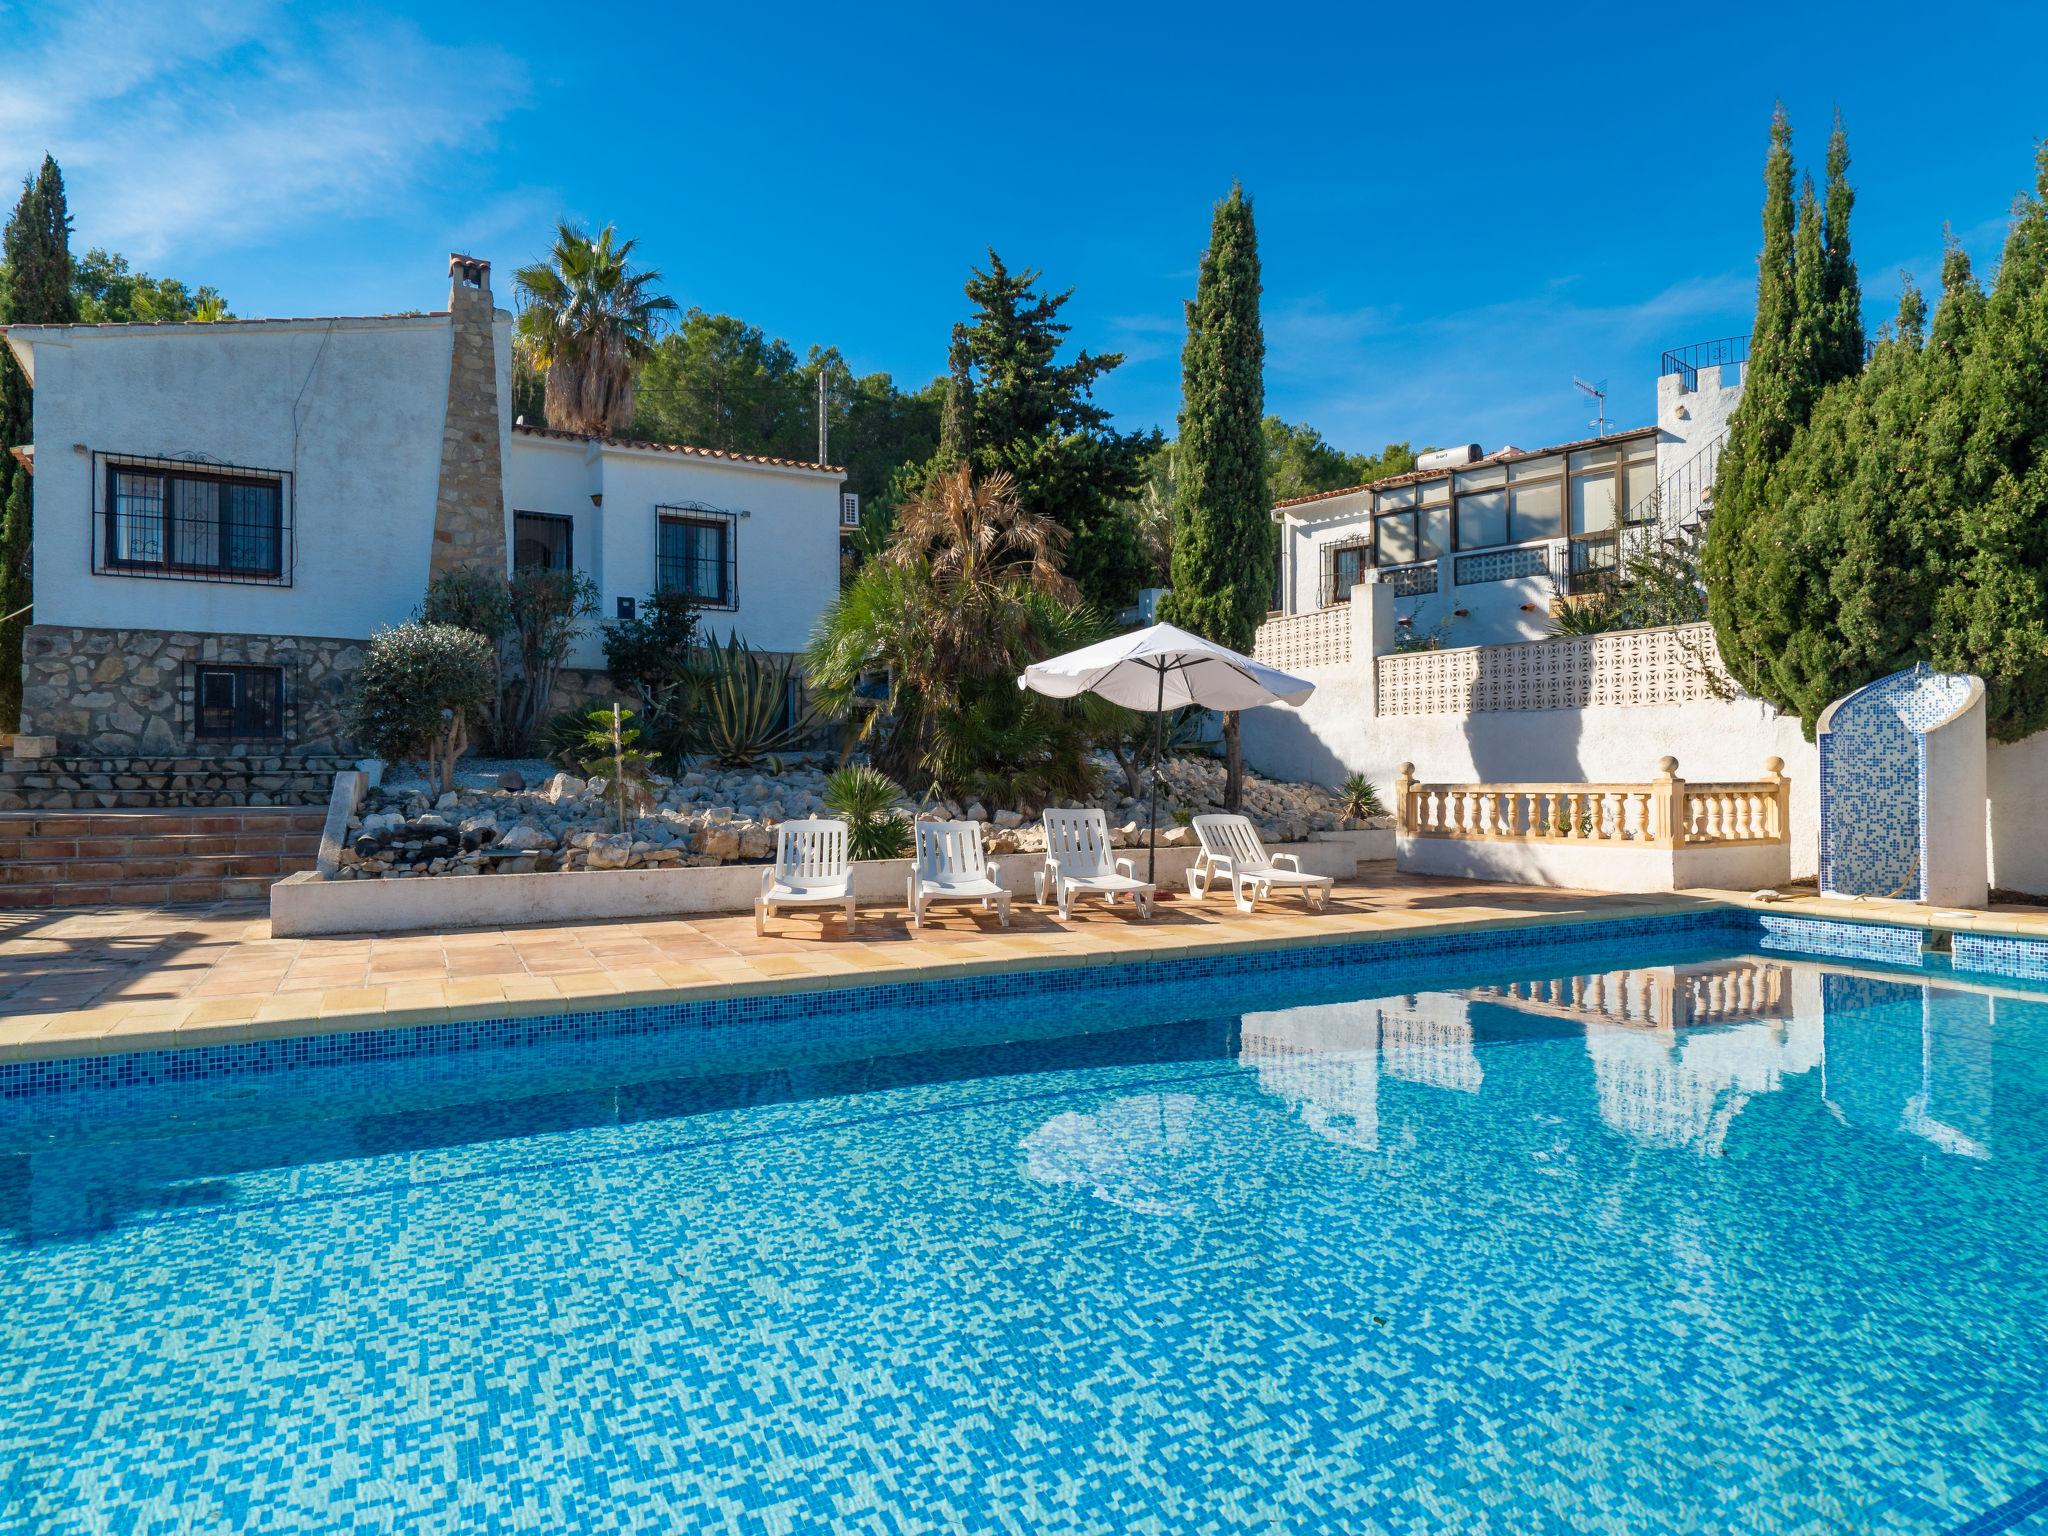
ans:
(226, 123)
(1146, 338)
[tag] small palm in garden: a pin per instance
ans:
(866, 801)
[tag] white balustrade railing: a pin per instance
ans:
(1667, 812)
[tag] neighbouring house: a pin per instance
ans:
(1421, 607)
(1477, 548)
(225, 512)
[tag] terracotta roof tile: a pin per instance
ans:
(687, 449)
(216, 326)
(1505, 456)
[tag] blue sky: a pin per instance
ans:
(1459, 208)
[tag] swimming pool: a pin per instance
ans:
(1683, 1232)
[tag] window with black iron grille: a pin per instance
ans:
(698, 555)
(542, 541)
(1344, 567)
(237, 703)
(191, 521)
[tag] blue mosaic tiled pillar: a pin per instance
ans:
(1873, 781)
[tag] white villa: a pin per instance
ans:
(225, 512)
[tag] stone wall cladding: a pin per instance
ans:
(469, 508)
(118, 693)
(126, 783)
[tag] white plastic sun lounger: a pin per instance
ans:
(1078, 863)
(810, 870)
(951, 866)
(1231, 851)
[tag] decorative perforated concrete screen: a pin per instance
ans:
(1635, 667)
(1318, 639)
(1875, 784)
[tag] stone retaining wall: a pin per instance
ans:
(100, 783)
(116, 693)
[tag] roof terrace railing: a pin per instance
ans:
(1687, 361)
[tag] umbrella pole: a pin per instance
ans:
(1152, 816)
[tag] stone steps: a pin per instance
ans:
(150, 857)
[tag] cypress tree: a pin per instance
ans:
(1993, 619)
(1841, 290)
(1771, 578)
(36, 289)
(1861, 564)
(1224, 544)
(1740, 548)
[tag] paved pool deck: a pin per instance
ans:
(92, 981)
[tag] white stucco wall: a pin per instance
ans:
(1595, 866)
(351, 408)
(1956, 830)
(1687, 419)
(787, 531)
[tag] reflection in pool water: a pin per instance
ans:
(1723, 1244)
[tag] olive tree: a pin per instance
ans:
(421, 688)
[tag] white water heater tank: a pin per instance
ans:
(1448, 458)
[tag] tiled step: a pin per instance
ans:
(131, 858)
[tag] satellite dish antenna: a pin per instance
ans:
(1598, 394)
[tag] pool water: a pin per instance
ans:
(1617, 1242)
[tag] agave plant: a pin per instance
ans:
(866, 801)
(743, 705)
(1360, 798)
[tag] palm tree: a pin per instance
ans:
(983, 556)
(590, 321)
(968, 591)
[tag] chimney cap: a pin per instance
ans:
(472, 269)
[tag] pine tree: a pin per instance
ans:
(1035, 418)
(1223, 549)
(956, 425)
(36, 289)
(1992, 618)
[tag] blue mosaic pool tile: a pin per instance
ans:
(1840, 941)
(2009, 1516)
(1380, 1252)
(1996, 956)
(206, 1063)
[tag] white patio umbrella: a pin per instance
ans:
(1158, 669)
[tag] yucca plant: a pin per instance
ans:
(866, 801)
(1360, 798)
(741, 705)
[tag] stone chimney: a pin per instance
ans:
(469, 507)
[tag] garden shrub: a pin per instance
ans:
(421, 689)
